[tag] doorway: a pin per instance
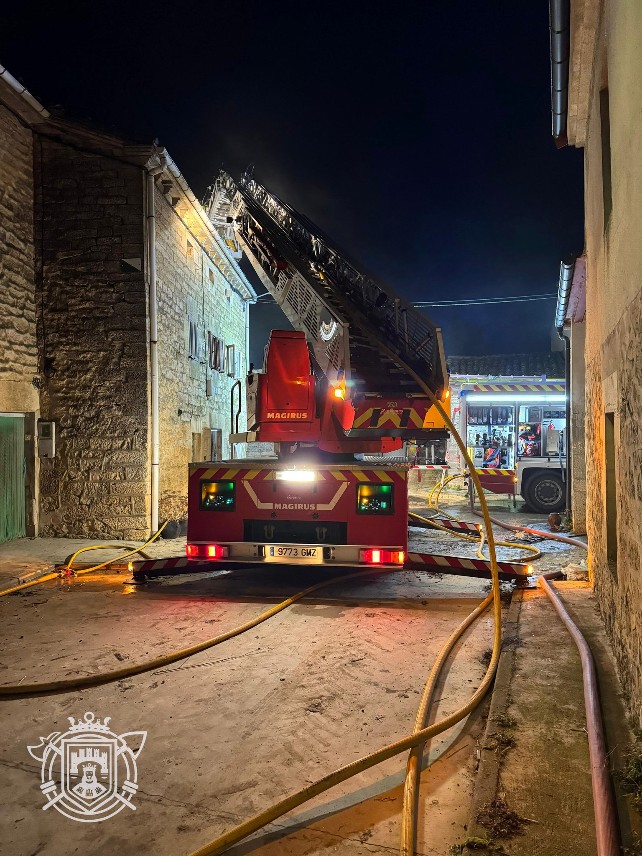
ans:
(12, 478)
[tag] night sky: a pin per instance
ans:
(415, 134)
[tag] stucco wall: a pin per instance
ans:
(193, 396)
(613, 350)
(18, 350)
(89, 214)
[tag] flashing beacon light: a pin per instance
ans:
(339, 392)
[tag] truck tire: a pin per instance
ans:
(545, 492)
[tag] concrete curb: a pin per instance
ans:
(487, 779)
(11, 581)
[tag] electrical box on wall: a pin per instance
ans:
(47, 439)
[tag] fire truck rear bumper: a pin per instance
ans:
(351, 555)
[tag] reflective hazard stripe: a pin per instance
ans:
(519, 387)
(419, 561)
(159, 564)
(458, 525)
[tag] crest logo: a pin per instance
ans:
(89, 773)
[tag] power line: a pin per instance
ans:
(475, 301)
(485, 301)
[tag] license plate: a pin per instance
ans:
(299, 554)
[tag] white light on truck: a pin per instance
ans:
(296, 475)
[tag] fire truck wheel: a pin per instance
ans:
(544, 492)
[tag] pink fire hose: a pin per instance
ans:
(607, 829)
(552, 535)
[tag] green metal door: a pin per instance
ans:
(12, 478)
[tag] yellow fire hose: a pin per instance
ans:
(410, 810)
(66, 685)
(55, 576)
(418, 738)
(439, 486)
(481, 537)
(415, 740)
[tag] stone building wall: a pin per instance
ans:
(19, 353)
(93, 335)
(613, 349)
(194, 297)
(18, 341)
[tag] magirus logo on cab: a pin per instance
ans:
(89, 773)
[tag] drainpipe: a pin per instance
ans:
(559, 21)
(24, 93)
(567, 269)
(153, 334)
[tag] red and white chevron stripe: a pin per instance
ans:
(458, 525)
(150, 565)
(465, 566)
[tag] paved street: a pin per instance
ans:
(237, 727)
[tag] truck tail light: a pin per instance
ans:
(217, 551)
(375, 556)
(207, 551)
(375, 499)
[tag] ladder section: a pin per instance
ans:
(345, 313)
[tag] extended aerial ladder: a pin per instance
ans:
(345, 314)
(337, 385)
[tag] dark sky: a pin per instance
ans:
(416, 134)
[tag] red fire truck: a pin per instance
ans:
(331, 390)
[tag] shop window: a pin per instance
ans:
(611, 492)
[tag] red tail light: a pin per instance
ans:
(217, 551)
(375, 556)
(207, 551)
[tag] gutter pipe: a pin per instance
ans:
(606, 819)
(24, 93)
(567, 270)
(560, 37)
(198, 208)
(150, 222)
(165, 163)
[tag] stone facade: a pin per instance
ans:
(94, 241)
(18, 340)
(74, 321)
(90, 216)
(604, 118)
(202, 323)
(19, 354)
